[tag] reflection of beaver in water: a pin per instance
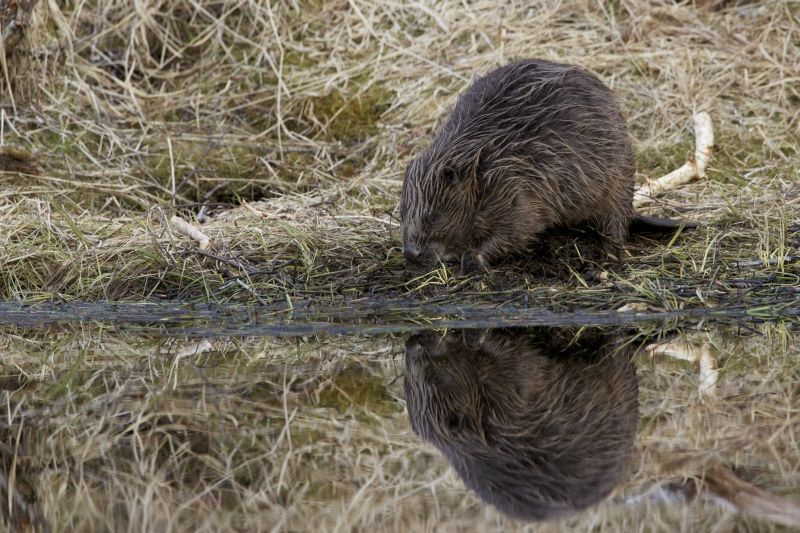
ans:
(538, 423)
(530, 146)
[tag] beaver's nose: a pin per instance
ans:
(410, 253)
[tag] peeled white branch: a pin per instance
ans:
(184, 228)
(694, 168)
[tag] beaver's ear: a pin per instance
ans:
(478, 164)
(449, 175)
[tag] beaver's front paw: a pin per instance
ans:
(613, 250)
(472, 261)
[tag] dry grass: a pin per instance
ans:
(303, 114)
(114, 432)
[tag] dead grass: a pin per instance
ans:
(304, 114)
(112, 432)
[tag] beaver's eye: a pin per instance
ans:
(455, 421)
(449, 175)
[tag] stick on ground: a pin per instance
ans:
(692, 169)
(184, 228)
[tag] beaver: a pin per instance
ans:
(539, 423)
(530, 146)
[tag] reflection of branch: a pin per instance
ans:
(693, 168)
(195, 348)
(702, 355)
(720, 485)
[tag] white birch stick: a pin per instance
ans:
(184, 228)
(694, 168)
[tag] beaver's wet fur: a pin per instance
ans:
(530, 146)
(539, 423)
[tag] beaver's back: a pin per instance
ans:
(559, 125)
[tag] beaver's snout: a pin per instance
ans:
(430, 255)
(411, 253)
(415, 256)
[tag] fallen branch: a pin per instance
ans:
(228, 261)
(695, 167)
(184, 228)
(772, 261)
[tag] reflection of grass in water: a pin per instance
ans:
(355, 387)
(207, 432)
(313, 432)
(750, 424)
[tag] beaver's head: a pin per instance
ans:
(438, 208)
(467, 205)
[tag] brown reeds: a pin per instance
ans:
(285, 127)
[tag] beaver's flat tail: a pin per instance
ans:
(645, 224)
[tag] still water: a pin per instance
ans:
(689, 427)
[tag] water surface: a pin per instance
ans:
(105, 426)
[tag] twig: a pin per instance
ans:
(695, 167)
(772, 261)
(228, 261)
(184, 228)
